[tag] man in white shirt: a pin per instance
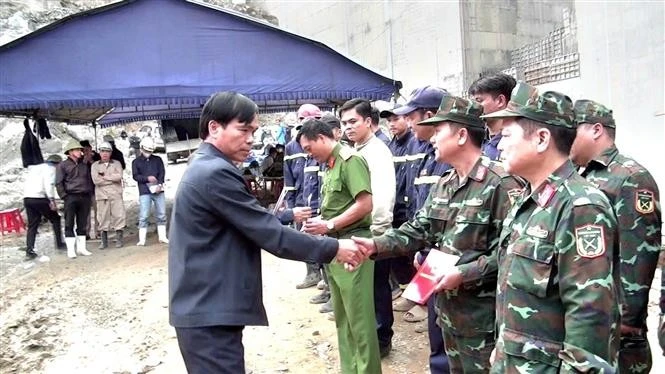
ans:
(356, 117)
(39, 201)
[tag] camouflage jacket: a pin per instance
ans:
(461, 217)
(633, 193)
(556, 298)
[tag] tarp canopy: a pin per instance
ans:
(154, 59)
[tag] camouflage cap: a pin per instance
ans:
(459, 110)
(588, 111)
(552, 108)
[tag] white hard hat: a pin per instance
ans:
(148, 144)
(105, 146)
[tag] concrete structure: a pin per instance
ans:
(445, 43)
(622, 53)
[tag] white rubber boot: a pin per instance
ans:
(143, 232)
(161, 234)
(80, 246)
(71, 247)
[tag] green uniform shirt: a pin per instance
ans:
(557, 308)
(463, 218)
(347, 176)
(633, 193)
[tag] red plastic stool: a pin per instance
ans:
(11, 221)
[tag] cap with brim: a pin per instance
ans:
(589, 111)
(458, 110)
(423, 97)
(54, 159)
(390, 112)
(552, 108)
(72, 144)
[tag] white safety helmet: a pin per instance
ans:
(147, 144)
(105, 146)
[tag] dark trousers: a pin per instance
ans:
(213, 349)
(402, 267)
(77, 207)
(36, 208)
(438, 361)
(383, 302)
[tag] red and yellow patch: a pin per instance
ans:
(590, 241)
(644, 201)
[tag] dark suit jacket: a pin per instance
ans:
(217, 231)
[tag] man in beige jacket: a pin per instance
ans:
(107, 177)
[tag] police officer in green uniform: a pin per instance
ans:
(633, 193)
(462, 216)
(346, 207)
(557, 301)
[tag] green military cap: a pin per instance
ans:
(459, 110)
(552, 108)
(72, 144)
(54, 159)
(588, 111)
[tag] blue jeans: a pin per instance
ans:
(144, 209)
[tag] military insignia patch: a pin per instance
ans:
(546, 195)
(590, 240)
(480, 173)
(644, 201)
(514, 194)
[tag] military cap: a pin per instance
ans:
(423, 97)
(72, 144)
(54, 159)
(459, 110)
(552, 108)
(588, 111)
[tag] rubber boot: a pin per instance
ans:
(30, 254)
(71, 247)
(80, 246)
(143, 232)
(118, 238)
(161, 234)
(312, 278)
(104, 242)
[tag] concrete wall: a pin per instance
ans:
(490, 33)
(622, 49)
(444, 43)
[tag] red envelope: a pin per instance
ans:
(424, 282)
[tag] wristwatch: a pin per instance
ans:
(330, 225)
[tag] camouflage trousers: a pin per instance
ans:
(468, 354)
(634, 355)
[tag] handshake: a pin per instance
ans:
(352, 252)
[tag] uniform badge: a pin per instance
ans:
(537, 232)
(514, 194)
(474, 202)
(590, 240)
(545, 195)
(644, 201)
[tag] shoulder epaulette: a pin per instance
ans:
(345, 153)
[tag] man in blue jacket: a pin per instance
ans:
(148, 171)
(302, 189)
(217, 231)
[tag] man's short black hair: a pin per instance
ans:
(312, 128)
(495, 85)
(332, 121)
(363, 107)
(224, 107)
(375, 116)
(562, 137)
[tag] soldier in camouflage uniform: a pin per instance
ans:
(633, 193)
(462, 216)
(557, 308)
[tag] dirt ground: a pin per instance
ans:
(108, 313)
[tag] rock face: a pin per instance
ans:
(20, 17)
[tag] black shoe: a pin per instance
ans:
(30, 254)
(118, 238)
(310, 281)
(385, 350)
(104, 242)
(321, 298)
(327, 307)
(61, 246)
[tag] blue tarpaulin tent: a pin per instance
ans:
(156, 59)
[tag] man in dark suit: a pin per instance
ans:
(217, 231)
